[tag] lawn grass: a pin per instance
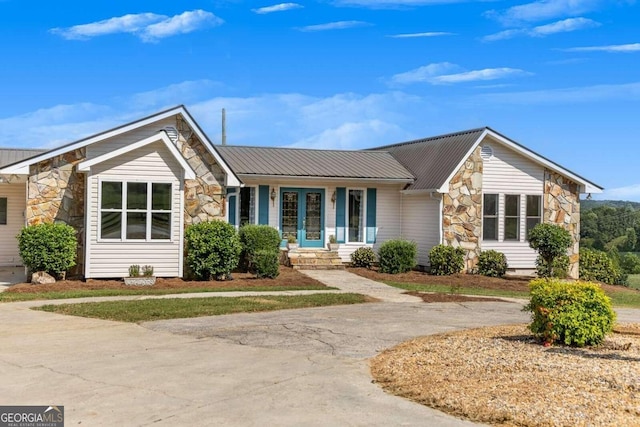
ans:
(467, 291)
(28, 296)
(620, 298)
(175, 308)
(634, 281)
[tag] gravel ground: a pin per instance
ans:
(500, 375)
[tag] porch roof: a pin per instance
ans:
(12, 155)
(294, 162)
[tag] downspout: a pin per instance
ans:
(440, 217)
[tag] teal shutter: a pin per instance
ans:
(371, 215)
(341, 201)
(231, 194)
(263, 208)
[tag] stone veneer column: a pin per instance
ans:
(204, 197)
(462, 209)
(562, 207)
(56, 194)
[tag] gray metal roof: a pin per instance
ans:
(433, 160)
(12, 155)
(272, 161)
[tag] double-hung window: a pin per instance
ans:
(490, 217)
(355, 211)
(135, 210)
(511, 217)
(534, 212)
(247, 205)
(3, 211)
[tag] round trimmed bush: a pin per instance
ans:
(492, 263)
(48, 247)
(266, 263)
(574, 313)
(213, 249)
(446, 260)
(363, 257)
(551, 242)
(256, 238)
(597, 265)
(397, 256)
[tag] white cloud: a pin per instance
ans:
(386, 4)
(629, 192)
(338, 25)
(563, 26)
(416, 35)
(447, 73)
(147, 26)
(544, 10)
(596, 93)
(277, 8)
(624, 48)
(186, 22)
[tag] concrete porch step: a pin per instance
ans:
(314, 259)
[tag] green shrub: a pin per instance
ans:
(397, 256)
(213, 249)
(574, 313)
(48, 247)
(559, 267)
(492, 263)
(597, 265)
(363, 257)
(446, 260)
(255, 238)
(630, 263)
(266, 263)
(551, 241)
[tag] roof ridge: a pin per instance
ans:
(324, 150)
(432, 138)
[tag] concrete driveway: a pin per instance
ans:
(293, 367)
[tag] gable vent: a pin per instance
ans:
(172, 133)
(487, 152)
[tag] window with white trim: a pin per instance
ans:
(534, 212)
(355, 215)
(3, 211)
(490, 217)
(511, 217)
(135, 211)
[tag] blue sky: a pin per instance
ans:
(559, 76)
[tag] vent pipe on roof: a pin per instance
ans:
(224, 127)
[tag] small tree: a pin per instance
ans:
(551, 241)
(48, 247)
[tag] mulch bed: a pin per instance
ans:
(287, 278)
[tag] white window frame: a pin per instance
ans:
(6, 210)
(364, 216)
(496, 216)
(518, 217)
(526, 216)
(123, 211)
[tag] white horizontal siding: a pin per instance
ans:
(519, 255)
(152, 163)
(511, 173)
(421, 223)
(16, 205)
(119, 141)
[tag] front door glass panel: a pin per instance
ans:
(290, 214)
(313, 216)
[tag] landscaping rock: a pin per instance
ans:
(42, 278)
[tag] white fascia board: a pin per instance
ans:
(585, 185)
(96, 138)
(231, 179)
(161, 136)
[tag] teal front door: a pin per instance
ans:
(302, 216)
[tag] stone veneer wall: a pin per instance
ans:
(562, 207)
(204, 197)
(56, 194)
(462, 209)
